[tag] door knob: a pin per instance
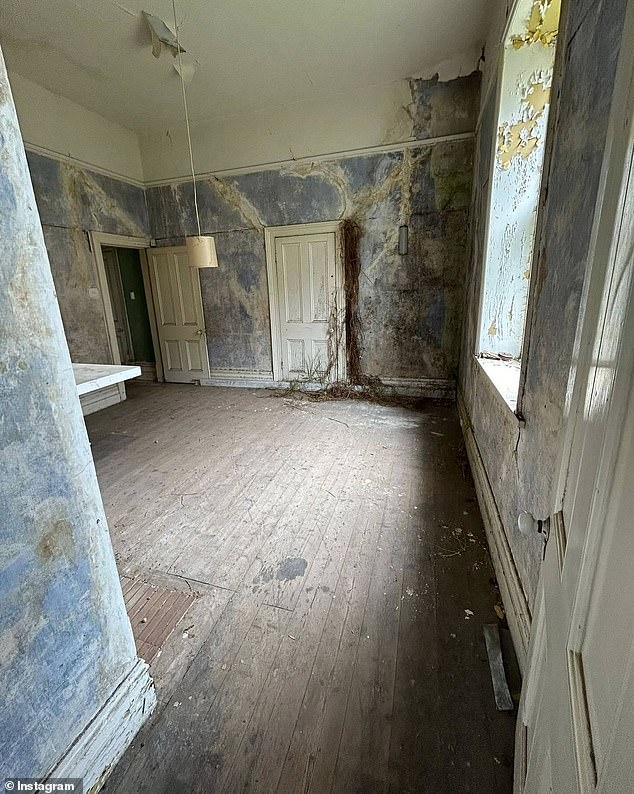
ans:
(200, 331)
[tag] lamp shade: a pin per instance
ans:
(201, 252)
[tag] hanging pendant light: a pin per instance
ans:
(201, 249)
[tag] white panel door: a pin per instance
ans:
(306, 283)
(179, 315)
(576, 721)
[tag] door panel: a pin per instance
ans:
(318, 269)
(307, 286)
(291, 273)
(296, 356)
(584, 680)
(180, 321)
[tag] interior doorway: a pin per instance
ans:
(122, 267)
(130, 309)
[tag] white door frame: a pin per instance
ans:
(271, 233)
(97, 239)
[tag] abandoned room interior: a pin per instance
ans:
(316, 396)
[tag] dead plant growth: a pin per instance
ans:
(317, 383)
(349, 240)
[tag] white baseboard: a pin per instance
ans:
(148, 373)
(242, 378)
(435, 388)
(97, 400)
(439, 388)
(515, 604)
(101, 744)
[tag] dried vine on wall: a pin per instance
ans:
(349, 240)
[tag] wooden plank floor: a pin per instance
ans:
(343, 577)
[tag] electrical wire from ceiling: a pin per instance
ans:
(189, 137)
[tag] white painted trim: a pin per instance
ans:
(432, 388)
(317, 158)
(238, 377)
(148, 373)
(515, 603)
(103, 741)
(101, 375)
(70, 160)
(104, 398)
(120, 240)
(271, 233)
(498, 374)
(94, 753)
(400, 146)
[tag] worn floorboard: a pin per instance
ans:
(342, 580)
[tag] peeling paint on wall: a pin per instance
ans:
(444, 108)
(521, 134)
(523, 137)
(542, 25)
(520, 462)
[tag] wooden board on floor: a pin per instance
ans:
(344, 581)
(154, 613)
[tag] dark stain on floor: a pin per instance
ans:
(291, 568)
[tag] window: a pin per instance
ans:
(527, 70)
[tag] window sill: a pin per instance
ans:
(505, 377)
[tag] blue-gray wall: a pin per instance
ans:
(521, 461)
(73, 201)
(411, 306)
(65, 639)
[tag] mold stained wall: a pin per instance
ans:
(411, 306)
(72, 201)
(524, 103)
(520, 462)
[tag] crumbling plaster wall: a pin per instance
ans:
(73, 201)
(520, 461)
(410, 306)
